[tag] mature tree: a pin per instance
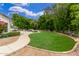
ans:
(74, 13)
(56, 17)
(62, 18)
(20, 21)
(44, 22)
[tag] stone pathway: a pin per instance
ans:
(20, 43)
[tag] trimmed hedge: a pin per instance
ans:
(10, 34)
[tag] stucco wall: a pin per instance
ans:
(3, 18)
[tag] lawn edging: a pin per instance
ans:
(76, 44)
(55, 51)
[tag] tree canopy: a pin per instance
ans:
(60, 17)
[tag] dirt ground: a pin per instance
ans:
(8, 40)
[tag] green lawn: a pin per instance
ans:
(51, 41)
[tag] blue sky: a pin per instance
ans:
(30, 10)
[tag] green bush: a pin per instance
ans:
(1, 29)
(13, 33)
(10, 34)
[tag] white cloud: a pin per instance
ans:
(10, 13)
(20, 4)
(1, 4)
(26, 11)
(16, 9)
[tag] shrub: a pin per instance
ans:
(1, 29)
(10, 34)
(13, 33)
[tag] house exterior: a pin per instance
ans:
(5, 20)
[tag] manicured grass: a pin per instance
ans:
(51, 41)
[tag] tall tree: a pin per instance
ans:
(20, 21)
(74, 13)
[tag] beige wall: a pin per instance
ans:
(3, 18)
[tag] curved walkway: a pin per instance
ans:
(29, 51)
(20, 43)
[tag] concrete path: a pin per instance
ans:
(20, 43)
